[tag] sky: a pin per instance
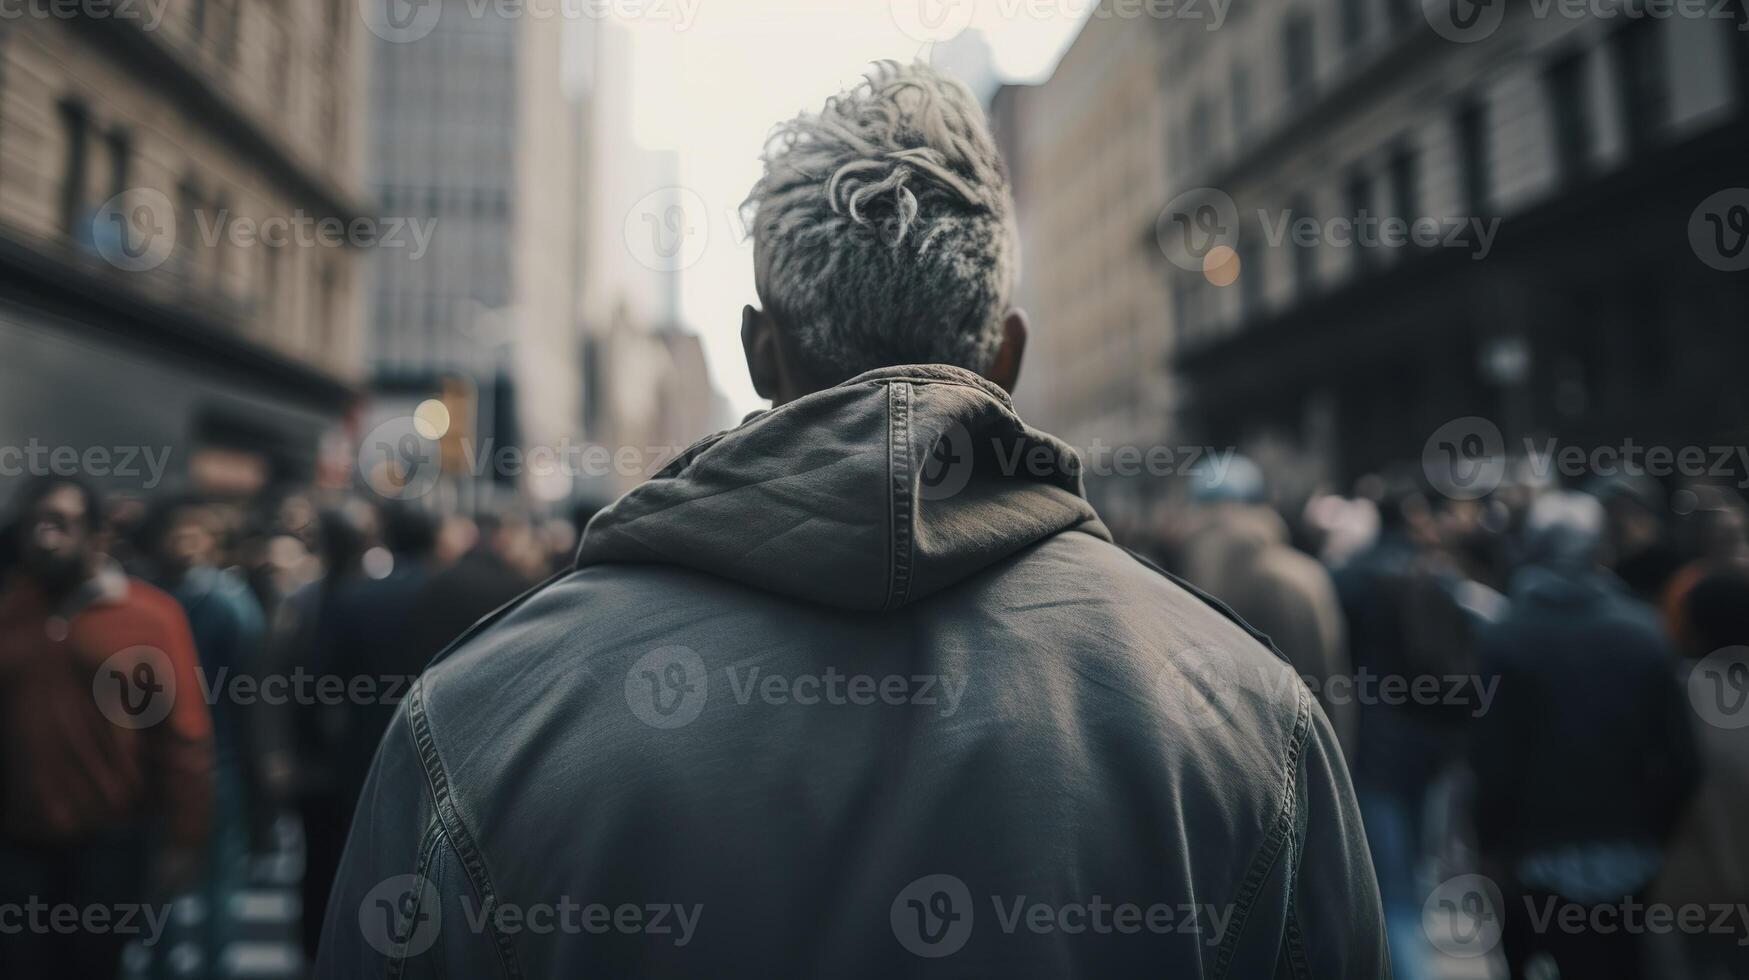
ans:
(711, 77)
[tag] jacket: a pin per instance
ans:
(860, 688)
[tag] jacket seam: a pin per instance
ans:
(437, 780)
(899, 490)
(421, 873)
(1269, 851)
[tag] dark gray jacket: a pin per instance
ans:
(859, 689)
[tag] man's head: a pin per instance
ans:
(184, 537)
(60, 533)
(884, 234)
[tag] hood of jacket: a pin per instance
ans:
(869, 495)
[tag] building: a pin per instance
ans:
(1556, 165)
(475, 134)
(168, 283)
(1086, 157)
(647, 391)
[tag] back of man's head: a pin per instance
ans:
(884, 229)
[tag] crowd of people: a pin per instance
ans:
(299, 624)
(1510, 677)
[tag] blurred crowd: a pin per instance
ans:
(1542, 775)
(299, 621)
(1511, 678)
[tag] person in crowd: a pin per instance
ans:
(1586, 757)
(1708, 862)
(1712, 537)
(106, 743)
(686, 718)
(1400, 746)
(1239, 554)
(1641, 549)
(184, 537)
(481, 580)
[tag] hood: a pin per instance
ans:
(885, 489)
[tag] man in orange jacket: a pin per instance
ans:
(105, 746)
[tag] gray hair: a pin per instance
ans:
(883, 227)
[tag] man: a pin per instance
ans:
(481, 580)
(184, 539)
(1586, 758)
(861, 688)
(106, 777)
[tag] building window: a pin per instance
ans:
(1644, 81)
(1403, 13)
(1305, 254)
(1296, 44)
(75, 127)
(1240, 93)
(1202, 135)
(1571, 114)
(1353, 23)
(1358, 195)
(1405, 195)
(1473, 157)
(120, 160)
(1251, 274)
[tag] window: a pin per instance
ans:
(1251, 275)
(1644, 91)
(1296, 44)
(1405, 196)
(1473, 157)
(1202, 125)
(1353, 23)
(1570, 111)
(75, 127)
(120, 159)
(1403, 13)
(1358, 198)
(1305, 255)
(1240, 92)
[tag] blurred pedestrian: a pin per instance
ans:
(1586, 757)
(227, 627)
(456, 597)
(107, 741)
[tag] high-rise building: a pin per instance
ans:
(1444, 211)
(473, 132)
(1086, 159)
(175, 181)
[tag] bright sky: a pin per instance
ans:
(711, 92)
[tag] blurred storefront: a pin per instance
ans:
(162, 290)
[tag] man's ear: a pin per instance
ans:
(1005, 369)
(764, 363)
